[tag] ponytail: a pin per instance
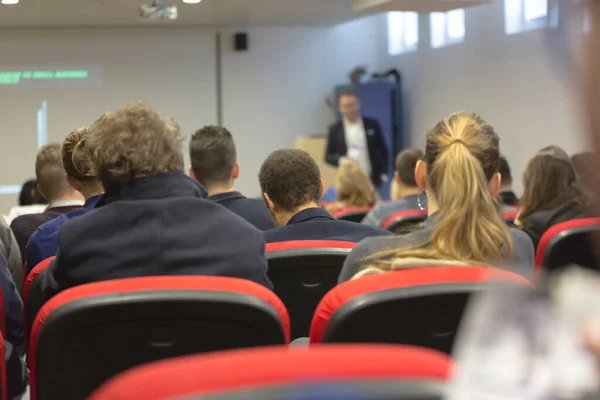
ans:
(462, 157)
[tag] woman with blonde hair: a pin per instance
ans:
(81, 175)
(460, 176)
(353, 188)
(551, 192)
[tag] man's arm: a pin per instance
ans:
(13, 306)
(331, 155)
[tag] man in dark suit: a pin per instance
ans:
(292, 186)
(215, 167)
(358, 138)
(153, 220)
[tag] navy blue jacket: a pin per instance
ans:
(13, 306)
(156, 225)
(318, 224)
(254, 211)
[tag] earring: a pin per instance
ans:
(419, 203)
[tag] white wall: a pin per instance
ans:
(511, 81)
(276, 91)
(272, 93)
(173, 70)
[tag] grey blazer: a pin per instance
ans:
(522, 262)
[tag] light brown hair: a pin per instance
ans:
(549, 181)
(76, 157)
(461, 156)
(132, 142)
(353, 187)
(50, 173)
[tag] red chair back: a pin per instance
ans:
(87, 334)
(236, 371)
(404, 218)
(302, 272)
(510, 216)
(420, 306)
(569, 242)
(31, 307)
(3, 382)
(352, 214)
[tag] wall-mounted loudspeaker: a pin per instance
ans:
(241, 41)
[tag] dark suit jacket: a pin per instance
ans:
(336, 147)
(252, 210)
(24, 225)
(318, 224)
(539, 222)
(156, 225)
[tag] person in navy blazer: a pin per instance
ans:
(292, 186)
(215, 167)
(358, 138)
(153, 219)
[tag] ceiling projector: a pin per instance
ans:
(158, 10)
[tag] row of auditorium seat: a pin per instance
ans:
(142, 319)
(90, 333)
(367, 372)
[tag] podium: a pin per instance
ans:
(316, 148)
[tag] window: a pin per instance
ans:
(403, 32)
(526, 15)
(447, 28)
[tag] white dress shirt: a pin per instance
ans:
(356, 142)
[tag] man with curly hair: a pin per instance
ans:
(153, 220)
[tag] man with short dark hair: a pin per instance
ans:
(292, 186)
(408, 191)
(215, 167)
(53, 186)
(357, 138)
(506, 193)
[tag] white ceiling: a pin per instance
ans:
(210, 13)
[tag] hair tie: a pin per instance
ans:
(456, 141)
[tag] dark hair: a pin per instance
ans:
(50, 173)
(291, 178)
(406, 162)
(549, 181)
(347, 92)
(25, 197)
(213, 155)
(132, 142)
(504, 170)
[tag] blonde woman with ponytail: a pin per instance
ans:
(81, 175)
(459, 176)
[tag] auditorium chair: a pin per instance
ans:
(302, 272)
(510, 216)
(352, 214)
(340, 371)
(88, 334)
(570, 242)
(404, 221)
(3, 365)
(33, 298)
(420, 306)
